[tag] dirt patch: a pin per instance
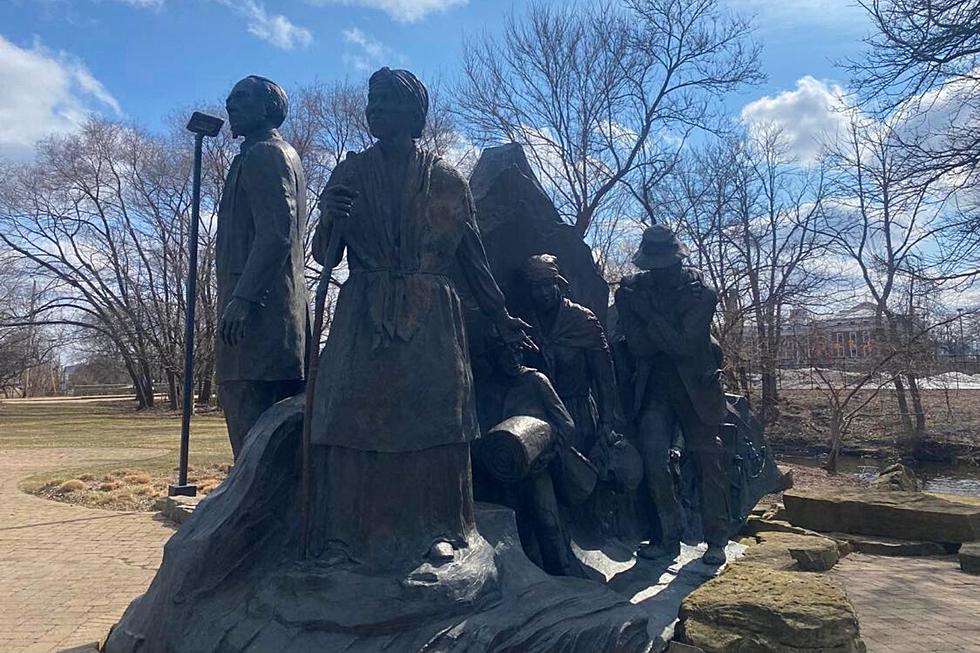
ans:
(126, 489)
(814, 478)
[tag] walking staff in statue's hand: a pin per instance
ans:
(665, 314)
(259, 258)
(394, 412)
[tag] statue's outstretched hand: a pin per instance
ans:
(514, 330)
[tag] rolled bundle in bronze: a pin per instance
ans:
(509, 450)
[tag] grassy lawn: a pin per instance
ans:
(131, 484)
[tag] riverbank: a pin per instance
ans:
(952, 434)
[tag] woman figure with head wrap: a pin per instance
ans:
(394, 412)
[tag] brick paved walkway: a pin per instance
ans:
(66, 572)
(913, 605)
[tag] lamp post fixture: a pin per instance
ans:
(201, 124)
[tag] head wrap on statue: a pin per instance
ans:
(544, 267)
(409, 90)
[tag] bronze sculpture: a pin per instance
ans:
(394, 406)
(575, 353)
(259, 261)
(665, 314)
(512, 392)
(398, 555)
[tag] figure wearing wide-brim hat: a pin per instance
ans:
(665, 315)
(660, 248)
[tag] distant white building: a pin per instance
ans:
(847, 334)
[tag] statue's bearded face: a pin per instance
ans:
(546, 294)
(247, 108)
(388, 114)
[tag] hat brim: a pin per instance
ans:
(645, 260)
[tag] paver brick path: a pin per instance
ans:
(67, 572)
(913, 605)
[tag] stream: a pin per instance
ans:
(960, 478)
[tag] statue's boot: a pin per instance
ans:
(652, 551)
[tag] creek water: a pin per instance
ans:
(957, 478)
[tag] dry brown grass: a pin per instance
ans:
(124, 489)
(131, 485)
(952, 423)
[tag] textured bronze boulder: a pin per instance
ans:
(762, 610)
(230, 582)
(517, 219)
(888, 513)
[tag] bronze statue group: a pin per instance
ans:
(402, 430)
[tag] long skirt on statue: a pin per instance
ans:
(385, 509)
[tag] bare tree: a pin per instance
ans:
(892, 227)
(752, 214)
(596, 93)
(924, 57)
(28, 351)
(100, 217)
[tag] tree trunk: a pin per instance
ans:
(769, 410)
(206, 390)
(173, 394)
(919, 411)
(835, 441)
(138, 388)
(903, 406)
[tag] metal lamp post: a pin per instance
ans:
(201, 124)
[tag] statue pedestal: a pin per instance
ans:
(230, 583)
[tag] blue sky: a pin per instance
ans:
(141, 59)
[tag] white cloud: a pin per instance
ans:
(807, 117)
(272, 28)
(406, 11)
(368, 53)
(143, 4)
(940, 112)
(44, 93)
(783, 13)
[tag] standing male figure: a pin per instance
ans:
(262, 307)
(575, 353)
(665, 314)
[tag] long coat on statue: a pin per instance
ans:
(688, 308)
(259, 257)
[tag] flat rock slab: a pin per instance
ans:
(177, 509)
(791, 551)
(889, 546)
(970, 558)
(761, 524)
(754, 608)
(904, 515)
